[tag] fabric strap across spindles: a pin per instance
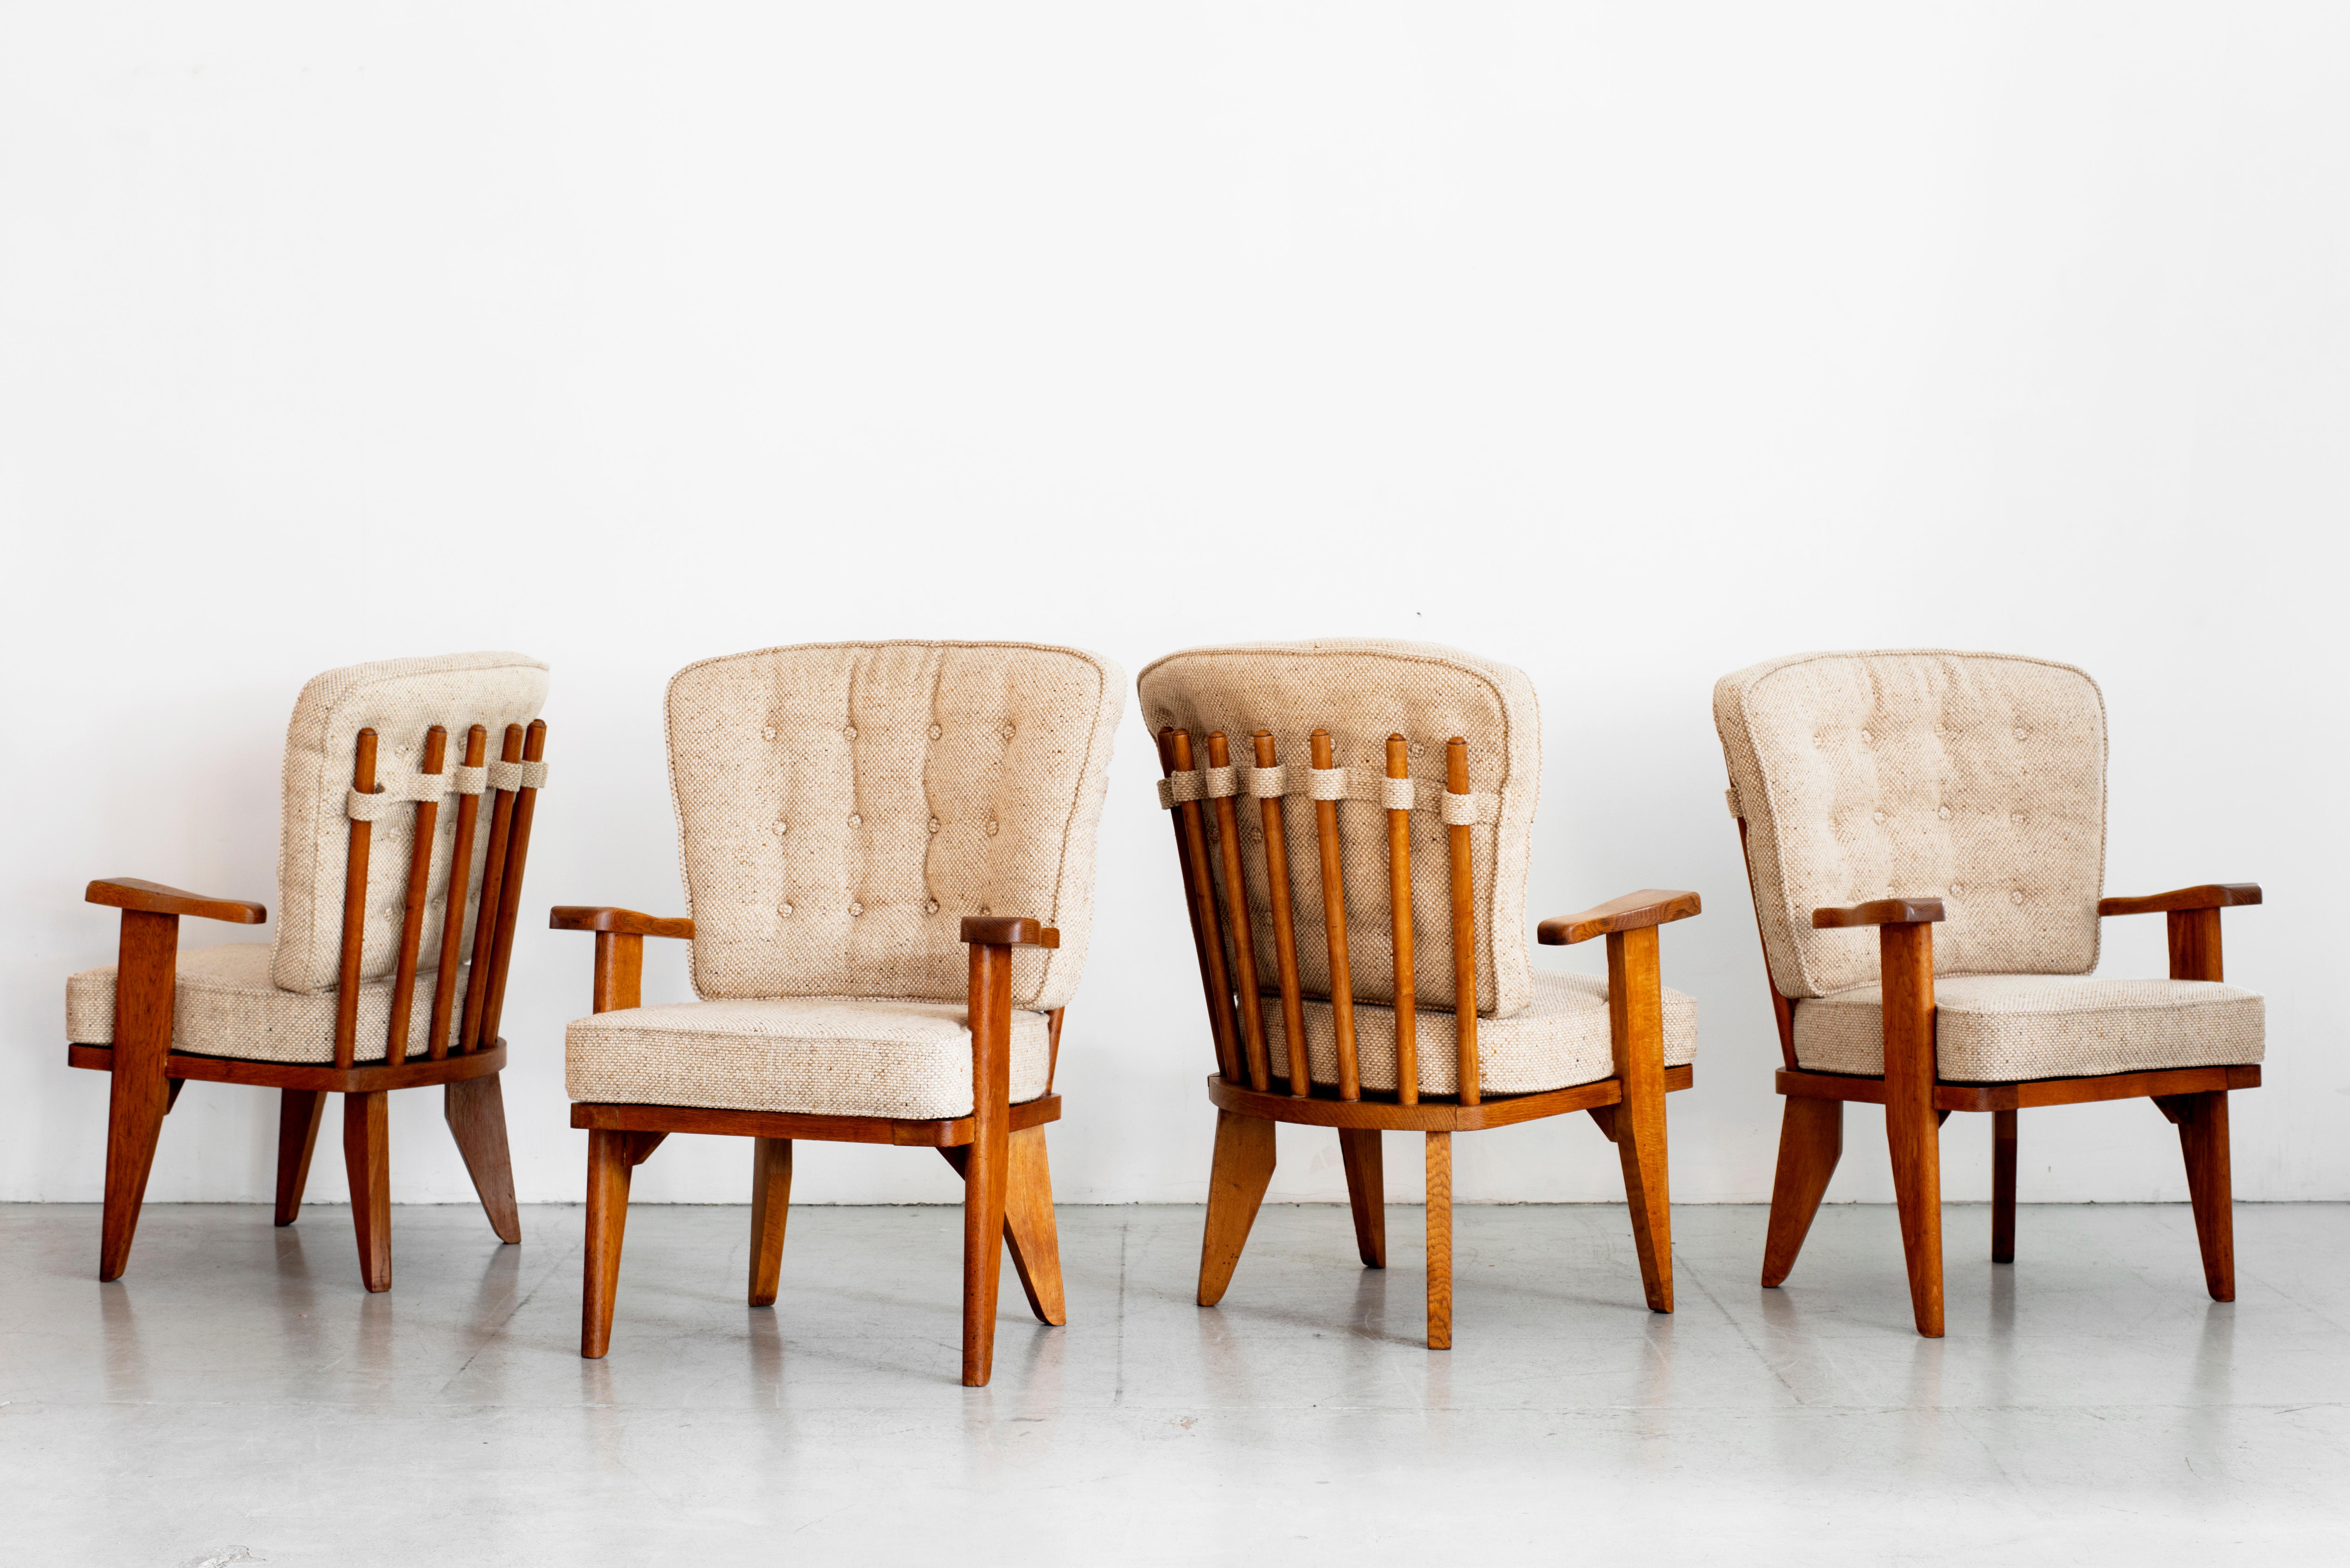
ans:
(1327, 784)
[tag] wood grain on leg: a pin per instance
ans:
(299, 1111)
(986, 1177)
(1911, 1128)
(612, 1156)
(1244, 1169)
(367, 1157)
(1811, 1141)
(139, 1090)
(475, 1110)
(1367, 1192)
(771, 1207)
(1635, 1015)
(1032, 1229)
(2203, 1137)
(2003, 1187)
(1440, 1240)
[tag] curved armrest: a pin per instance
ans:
(620, 922)
(155, 899)
(2210, 896)
(1008, 932)
(1648, 907)
(1880, 912)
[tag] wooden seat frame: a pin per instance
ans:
(1629, 1106)
(998, 1149)
(1918, 1100)
(462, 1051)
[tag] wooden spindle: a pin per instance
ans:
(486, 924)
(534, 750)
(354, 891)
(1204, 910)
(1464, 927)
(1165, 739)
(1334, 930)
(1400, 923)
(1284, 925)
(454, 903)
(412, 920)
(1252, 1006)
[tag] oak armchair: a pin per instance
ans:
(396, 919)
(1880, 797)
(889, 857)
(1371, 906)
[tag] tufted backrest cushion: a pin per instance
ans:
(1975, 778)
(842, 806)
(1362, 692)
(399, 700)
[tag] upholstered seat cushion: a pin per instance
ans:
(821, 1056)
(1559, 1041)
(226, 1005)
(2003, 1028)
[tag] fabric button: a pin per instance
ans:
(1878, 814)
(1943, 812)
(856, 908)
(985, 911)
(2021, 732)
(1957, 888)
(2016, 817)
(935, 825)
(766, 732)
(850, 732)
(1866, 738)
(856, 819)
(935, 731)
(1007, 731)
(2016, 896)
(785, 910)
(782, 829)
(931, 907)
(990, 829)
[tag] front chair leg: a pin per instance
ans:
(1911, 1126)
(612, 1156)
(367, 1157)
(771, 1205)
(299, 1111)
(1237, 1184)
(2203, 1137)
(1636, 1007)
(1367, 1192)
(475, 1110)
(139, 1090)
(2003, 1187)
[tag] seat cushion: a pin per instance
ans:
(1559, 1041)
(819, 1055)
(225, 1004)
(2003, 1028)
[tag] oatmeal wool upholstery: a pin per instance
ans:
(226, 1003)
(2001, 1028)
(832, 1056)
(1362, 691)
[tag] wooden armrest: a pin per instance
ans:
(1880, 912)
(621, 923)
(1648, 907)
(155, 899)
(2210, 896)
(1008, 932)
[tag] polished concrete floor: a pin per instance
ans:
(238, 1392)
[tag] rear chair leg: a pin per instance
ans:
(2003, 1187)
(1440, 1240)
(771, 1205)
(1030, 1229)
(1358, 1149)
(366, 1157)
(1811, 1141)
(1243, 1170)
(475, 1110)
(299, 1111)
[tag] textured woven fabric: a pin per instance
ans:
(1975, 778)
(2002, 1028)
(400, 699)
(1362, 692)
(226, 1005)
(819, 1056)
(842, 806)
(1559, 1041)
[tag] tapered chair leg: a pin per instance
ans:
(2203, 1137)
(1440, 1240)
(299, 1111)
(2003, 1187)
(139, 1090)
(771, 1205)
(1358, 1149)
(366, 1157)
(1811, 1141)
(1911, 1126)
(985, 1189)
(612, 1156)
(475, 1110)
(1243, 1170)
(1640, 1149)
(1032, 1228)
(134, 1122)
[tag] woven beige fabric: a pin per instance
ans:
(1975, 778)
(400, 699)
(227, 1004)
(1559, 1041)
(818, 1056)
(2002, 1028)
(1362, 692)
(841, 806)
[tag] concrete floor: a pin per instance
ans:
(2091, 1405)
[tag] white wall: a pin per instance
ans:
(1629, 343)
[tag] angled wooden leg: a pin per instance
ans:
(299, 1111)
(1636, 1006)
(1031, 1227)
(139, 1093)
(987, 1169)
(1440, 1240)
(2003, 1187)
(611, 1158)
(367, 1155)
(475, 1110)
(1811, 1141)
(771, 1205)
(1244, 1169)
(1911, 1127)
(2203, 1137)
(1367, 1192)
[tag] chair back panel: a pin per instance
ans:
(842, 806)
(1362, 692)
(1975, 778)
(400, 700)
